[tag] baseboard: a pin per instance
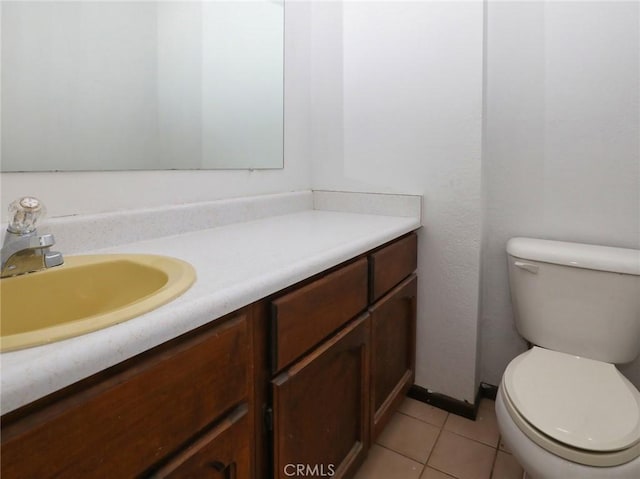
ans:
(442, 401)
(488, 391)
(452, 405)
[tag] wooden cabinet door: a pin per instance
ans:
(321, 408)
(393, 322)
(221, 453)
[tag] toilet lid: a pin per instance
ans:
(580, 402)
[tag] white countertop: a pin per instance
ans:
(236, 265)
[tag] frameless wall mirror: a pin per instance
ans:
(141, 85)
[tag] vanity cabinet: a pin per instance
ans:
(306, 378)
(167, 406)
(335, 400)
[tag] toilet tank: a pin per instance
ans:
(576, 298)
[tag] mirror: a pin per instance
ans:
(141, 85)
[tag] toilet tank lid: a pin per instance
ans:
(577, 255)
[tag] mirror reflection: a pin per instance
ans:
(113, 85)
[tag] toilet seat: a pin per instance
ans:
(579, 409)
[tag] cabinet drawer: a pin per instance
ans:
(221, 453)
(391, 264)
(301, 319)
(126, 420)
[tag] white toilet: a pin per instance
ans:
(563, 409)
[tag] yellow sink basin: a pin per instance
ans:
(85, 294)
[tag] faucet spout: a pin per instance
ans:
(24, 250)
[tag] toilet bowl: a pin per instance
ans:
(563, 408)
(560, 412)
(539, 463)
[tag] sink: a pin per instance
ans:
(86, 293)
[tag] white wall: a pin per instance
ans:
(396, 97)
(89, 192)
(562, 144)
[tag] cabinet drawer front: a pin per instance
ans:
(321, 407)
(303, 318)
(391, 264)
(221, 453)
(121, 424)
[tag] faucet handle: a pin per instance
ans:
(24, 213)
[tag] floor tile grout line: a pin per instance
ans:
(495, 452)
(398, 453)
(448, 474)
(422, 420)
(497, 445)
(424, 468)
(471, 439)
(495, 455)
(435, 443)
(441, 429)
(425, 465)
(493, 464)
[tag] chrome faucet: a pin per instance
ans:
(24, 250)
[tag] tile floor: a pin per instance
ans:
(424, 442)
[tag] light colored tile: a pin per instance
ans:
(385, 464)
(409, 437)
(462, 457)
(424, 412)
(430, 473)
(506, 467)
(483, 429)
(503, 446)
